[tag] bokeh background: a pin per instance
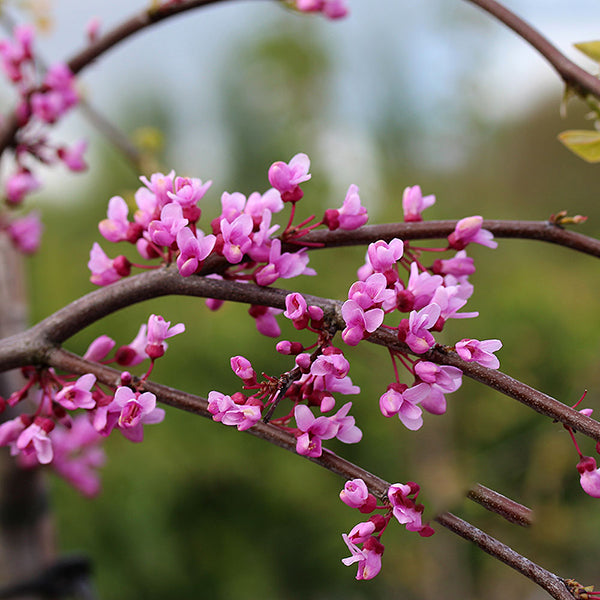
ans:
(432, 93)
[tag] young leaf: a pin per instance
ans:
(590, 49)
(586, 144)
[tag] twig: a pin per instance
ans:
(505, 507)
(545, 579)
(579, 80)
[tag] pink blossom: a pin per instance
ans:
(332, 9)
(77, 455)
(359, 321)
(373, 292)
(158, 331)
(413, 203)
(589, 476)
(419, 291)
(480, 352)
(286, 177)
(368, 558)
(469, 231)
(405, 509)
(15, 53)
(160, 185)
(351, 215)
(34, 441)
(58, 96)
(355, 493)
(442, 380)
(188, 191)
(99, 348)
(459, 266)
(73, 156)
(402, 401)
(78, 394)
(347, 431)
(242, 367)
(163, 231)
(135, 411)
(284, 266)
(265, 320)
(296, 310)
(451, 299)
(257, 204)
(135, 352)
(193, 249)
(226, 411)
(25, 232)
(236, 238)
(418, 337)
(313, 431)
(11, 430)
(104, 270)
(116, 226)
(383, 256)
(19, 185)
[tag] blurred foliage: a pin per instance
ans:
(200, 510)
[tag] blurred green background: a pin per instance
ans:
(201, 511)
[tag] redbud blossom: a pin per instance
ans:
(286, 177)
(228, 412)
(19, 185)
(78, 394)
(479, 351)
(73, 156)
(193, 250)
(413, 203)
(417, 334)
(34, 440)
(355, 493)
(25, 232)
(589, 476)
(368, 558)
(469, 231)
(103, 268)
(135, 411)
(383, 256)
(158, 331)
(359, 322)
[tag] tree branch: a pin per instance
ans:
(576, 78)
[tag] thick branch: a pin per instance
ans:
(578, 79)
(548, 581)
(34, 345)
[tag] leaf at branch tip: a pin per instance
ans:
(586, 144)
(590, 49)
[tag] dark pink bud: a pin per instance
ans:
(155, 351)
(134, 232)
(369, 505)
(587, 463)
(45, 424)
(293, 195)
(403, 330)
(126, 378)
(192, 213)
(439, 324)
(2, 404)
(239, 398)
(374, 545)
(331, 218)
(122, 266)
(379, 521)
(405, 301)
(125, 355)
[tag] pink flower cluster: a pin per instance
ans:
(166, 227)
(40, 103)
(364, 540)
(55, 435)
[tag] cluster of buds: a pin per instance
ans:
(364, 540)
(55, 434)
(42, 101)
(166, 228)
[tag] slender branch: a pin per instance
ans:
(146, 18)
(61, 359)
(553, 584)
(578, 79)
(533, 230)
(505, 507)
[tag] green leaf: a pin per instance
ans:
(590, 49)
(586, 144)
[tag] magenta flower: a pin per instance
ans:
(160, 185)
(284, 266)
(402, 401)
(355, 493)
(314, 429)
(14, 53)
(25, 232)
(242, 367)
(405, 509)
(264, 317)
(228, 412)
(11, 430)
(236, 238)
(332, 9)
(34, 441)
(368, 558)
(99, 348)
(480, 352)
(589, 476)
(383, 256)
(77, 455)
(286, 177)
(296, 309)
(373, 292)
(19, 185)
(347, 431)
(419, 290)
(469, 231)
(459, 266)
(158, 331)
(78, 394)
(418, 336)
(73, 157)
(359, 322)
(257, 204)
(104, 270)
(351, 215)
(135, 410)
(442, 380)
(188, 191)
(163, 231)
(58, 96)
(413, 203)
(193, 249)
(115, 227)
